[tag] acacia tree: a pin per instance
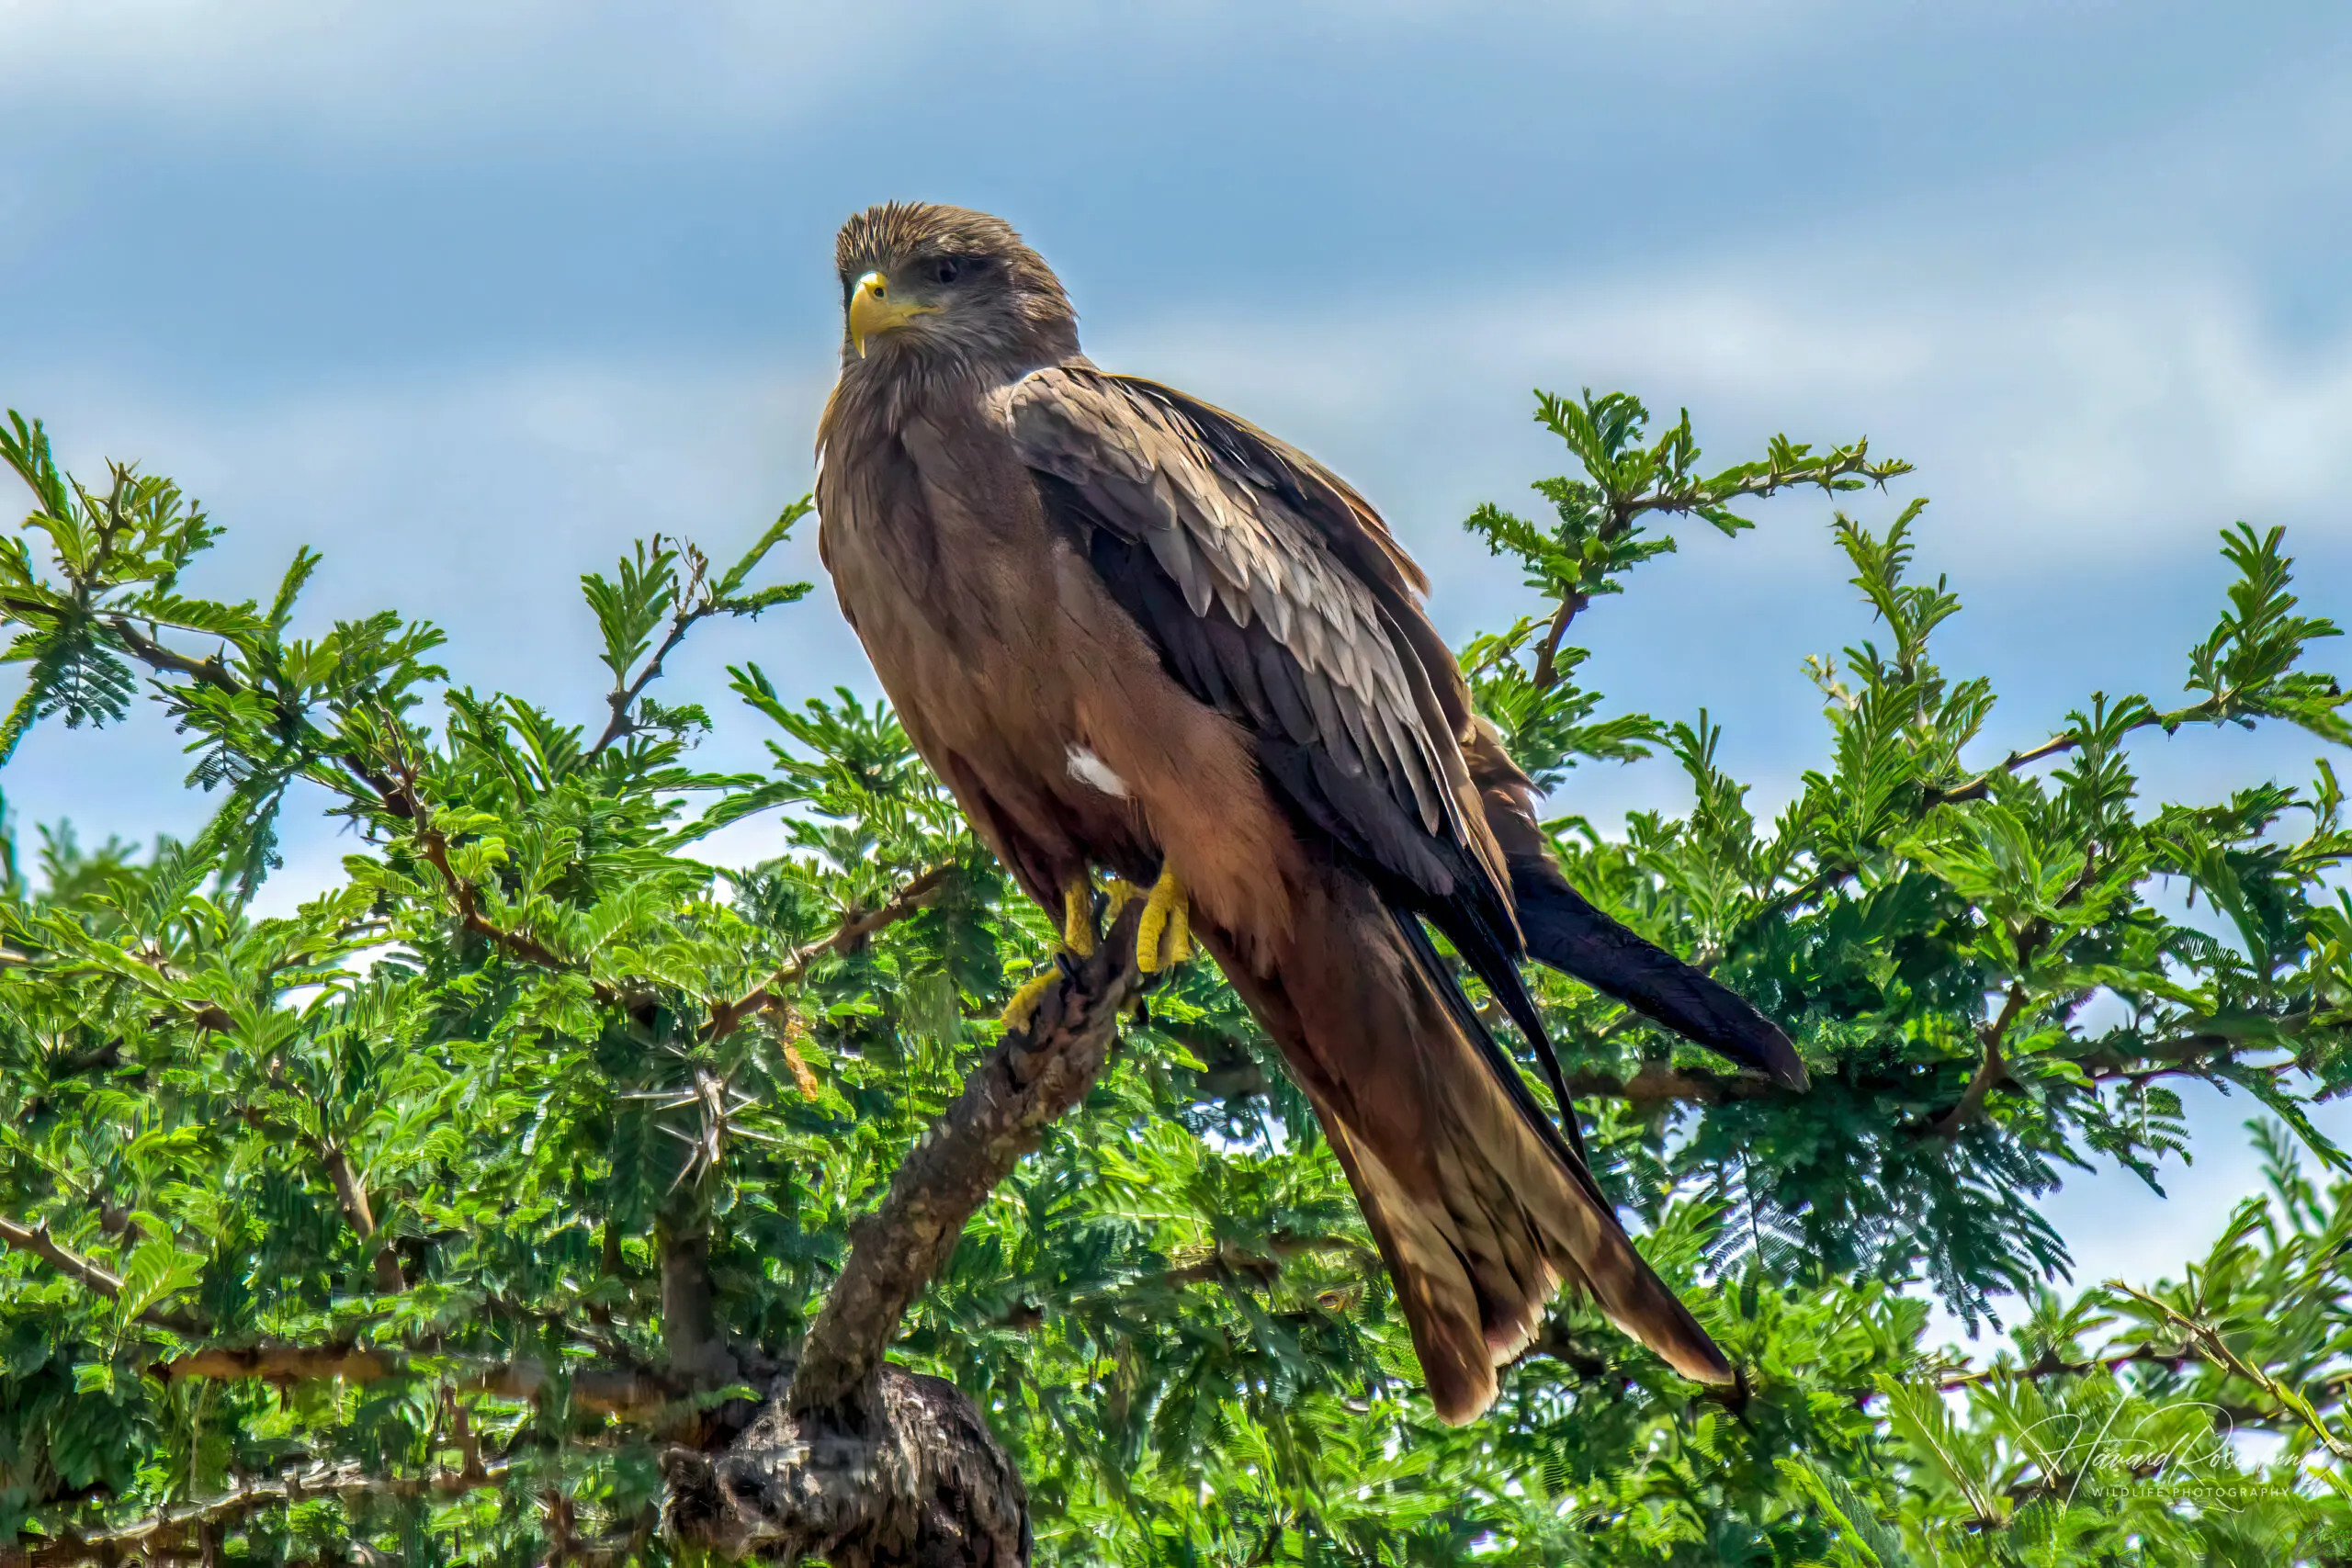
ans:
(540, 1192)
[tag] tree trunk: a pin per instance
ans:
(911, 1478)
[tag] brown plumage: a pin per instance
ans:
(1131, 632)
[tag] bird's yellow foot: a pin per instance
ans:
(1122, 893)
(1021, 1011)
(1164, 935)
(1078, 941)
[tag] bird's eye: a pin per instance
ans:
(946, 269)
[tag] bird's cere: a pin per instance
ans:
(1089, 769)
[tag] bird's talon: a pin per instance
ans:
(1021, 1011)
(1120, 894)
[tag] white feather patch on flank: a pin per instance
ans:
(1089, 769)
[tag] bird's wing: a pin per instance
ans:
(1276, 595)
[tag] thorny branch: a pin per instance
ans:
(727, 1017)
(2210, 1343)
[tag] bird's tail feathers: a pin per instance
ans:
(1570, 933)
(1480, 1208)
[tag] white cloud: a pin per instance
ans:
(2105, 401)
(351, 66)
(418, 69)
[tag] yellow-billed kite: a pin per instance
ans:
(1134, 633)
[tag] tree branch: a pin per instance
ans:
(1227, 1260)
(917, 1479)
(212, 673)
(435, 846)
(1656, 1083)
(2209, 1340)
(350, 1190)
(1990, 1071)
(1547, 672)
(149, 1535)
(1689, 498)
(2058, 745)
(1994, 1069)
(727, 1017)
(387, 791)
(1842, 463)
(1661, 1083)
(2048, 1365)
(697, 1352)
(1981, 785)
(155, 656)
(622, 698)
(2185, 1057)
(629, 1395)
(1018, 1090)
(863, 1462)
(36, 1240)
(352, 1193)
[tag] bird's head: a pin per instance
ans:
(945, 285)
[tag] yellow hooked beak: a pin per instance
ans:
(872, 312)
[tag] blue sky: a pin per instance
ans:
(468, 295)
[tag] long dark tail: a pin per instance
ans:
(1565, 930)
(1480, 1209)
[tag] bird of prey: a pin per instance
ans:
(1136, 635)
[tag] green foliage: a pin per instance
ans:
(1598, 537)
(392, 1195)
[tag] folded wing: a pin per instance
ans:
(1276, 597)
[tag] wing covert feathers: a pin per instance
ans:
(1275, 595)
(1244, 540)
